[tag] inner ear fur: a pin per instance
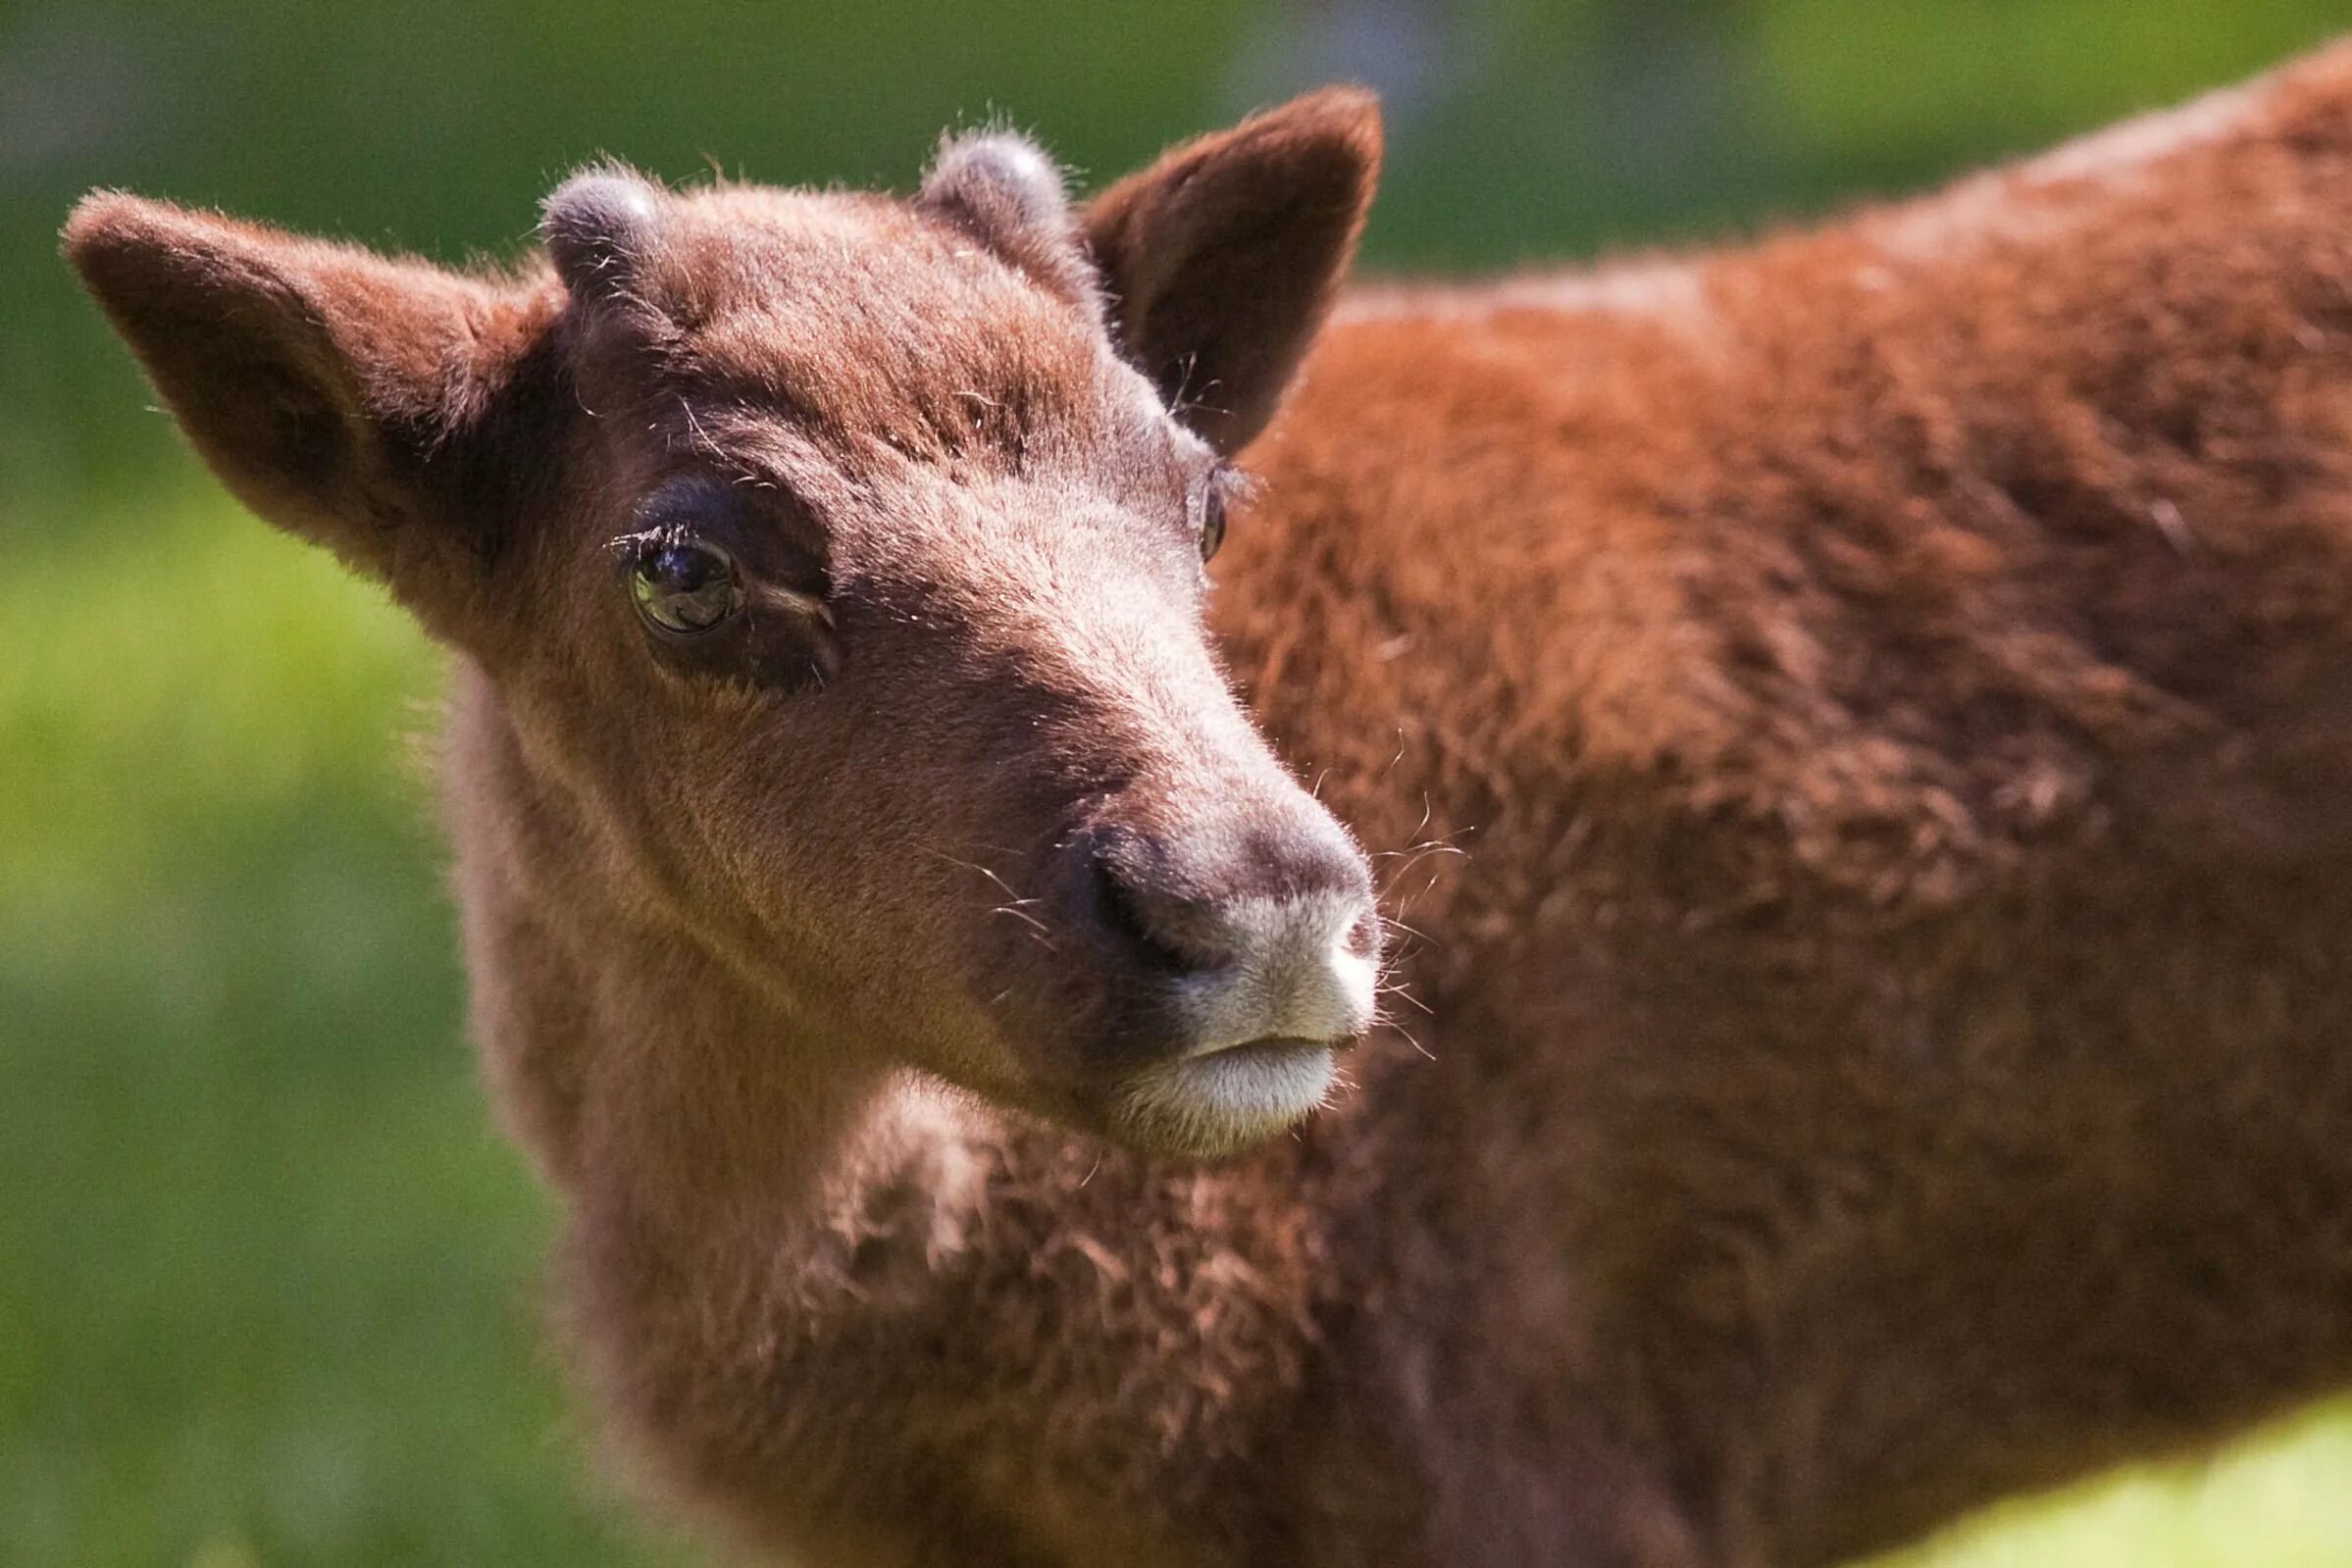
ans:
(1222, 257)
(361, 402)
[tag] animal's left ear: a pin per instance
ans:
(1222, 257)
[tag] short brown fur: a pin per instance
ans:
(1857, 727)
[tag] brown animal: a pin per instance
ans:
(1888, 1043)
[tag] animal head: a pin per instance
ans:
(838, 560)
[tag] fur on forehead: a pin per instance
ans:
(912, 320)
(1000, 187)
(603, 224)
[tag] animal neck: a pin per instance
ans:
(775, 1238)
(659, 1077)
(781, 1251)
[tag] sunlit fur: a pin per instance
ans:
(1852, 734)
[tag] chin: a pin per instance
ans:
(1224, 1101)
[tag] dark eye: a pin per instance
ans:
(1213, 516)
(686, 587)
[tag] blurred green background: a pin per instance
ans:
(267, 1274)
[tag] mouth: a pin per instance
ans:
(1221, 1101)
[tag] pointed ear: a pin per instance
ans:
(1222, 257)
(362, 403)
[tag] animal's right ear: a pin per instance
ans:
(362, 403)
(1222, 257)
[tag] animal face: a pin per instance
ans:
(838, 563)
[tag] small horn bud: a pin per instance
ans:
(1002, 191)
(598, 226)
(998, 178)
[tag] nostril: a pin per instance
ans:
(1175, 933)
(1362, 937)
(1118, 904)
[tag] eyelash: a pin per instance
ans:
(1224, 485)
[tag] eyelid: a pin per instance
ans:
(645, 541)
(753, 525)
(796, 601)
(1226, 485)
(771, 494)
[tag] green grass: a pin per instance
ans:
(2281, 1499)
(270, 1287)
